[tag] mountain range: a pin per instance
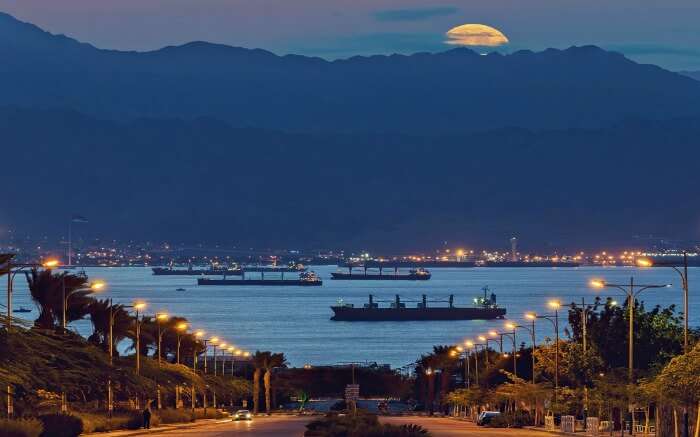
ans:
(208, 143)
(449, 92)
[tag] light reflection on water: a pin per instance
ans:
(296, 320)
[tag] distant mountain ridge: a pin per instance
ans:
(694, 74)
(203, 181)
(449, 92)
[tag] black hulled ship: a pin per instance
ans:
(394, 275)
(304, 279)
(484, 308)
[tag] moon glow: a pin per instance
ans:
(475, 35)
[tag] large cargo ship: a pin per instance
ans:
(372, 264)
(304, 279)
(274, 268)
(531, 264)
(170, 271)
(397, 311)
(364, 275)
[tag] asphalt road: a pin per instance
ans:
(443, 427)
(294, 426)
(275, 426)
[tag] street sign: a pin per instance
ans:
(352, 392)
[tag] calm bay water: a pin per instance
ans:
(296, 320)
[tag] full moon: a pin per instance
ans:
(476, 35)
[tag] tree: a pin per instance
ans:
(259, 361)
(658, 334)
(273, 360)
(47, 290)
(99, 311)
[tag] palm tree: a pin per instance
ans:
(275, 360)
(259, 362)
(99, 316)
(46, 289)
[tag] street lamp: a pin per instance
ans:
(532, 317)
(138, 306)
(94, 287)
(12, 269)
(180, 328)
(160, 317)
(197, 335)
(231, 350)
(513, 326)
(646, 262)
(629, 290)
(213, 341)
(221, 346)
(632, 290)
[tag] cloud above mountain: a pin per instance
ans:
(414, 14)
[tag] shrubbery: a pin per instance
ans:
(516, 419)
(361, 425)
(61, 425)
(20, 428)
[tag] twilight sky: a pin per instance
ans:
(665, 32)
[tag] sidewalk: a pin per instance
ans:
(158, 429)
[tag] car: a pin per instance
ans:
(485, 417)
(243, 415)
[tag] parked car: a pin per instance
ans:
(242, 415)
(485, 417)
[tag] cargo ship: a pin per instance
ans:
(190, 271)
(274, 268)
(412, 275)
(304, 279)
(531, 264)
(408, 263)
(484, 309)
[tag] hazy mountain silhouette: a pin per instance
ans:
(204, 181)
(694, 74)
(454, 91)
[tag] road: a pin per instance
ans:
(444, 427)
(293, 426)
(275, 426)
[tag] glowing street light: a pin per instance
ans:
(180, 328)
(160, 317)
(138, 307)
(647, 262)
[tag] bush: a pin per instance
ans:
(20, 428)
(171, 415)
(212, 413)
(361, 425)
(520, 418)
(61, 425)
(500, 421)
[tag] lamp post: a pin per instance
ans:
(222, 347)
(231, 350)
(473, 345)
(513, 326)
(532, 317)
(94, 287)
(12, 269)
(138, 306)
(160, 317)
(645, 262)
(197, 335)
(180, 328)
(632, 290)
(213, 341)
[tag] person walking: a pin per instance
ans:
(147, 416)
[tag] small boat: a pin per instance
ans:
(22, 310)
(180, 289)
